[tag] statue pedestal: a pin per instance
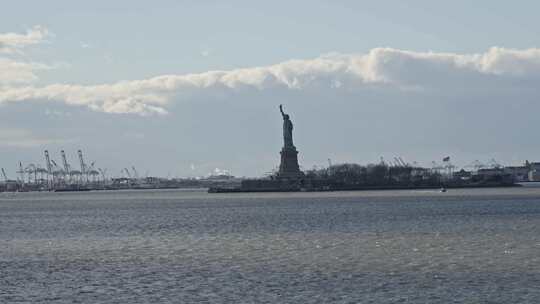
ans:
(289, 168)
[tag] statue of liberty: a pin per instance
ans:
(287, 129)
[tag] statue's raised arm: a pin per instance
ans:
(281, 110)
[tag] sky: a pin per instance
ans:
(186, 88)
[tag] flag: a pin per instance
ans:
(446, 159)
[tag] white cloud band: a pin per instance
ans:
(14, 43)
(380, 67)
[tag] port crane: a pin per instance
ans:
(135, 173)
(403, 163)
(4, 174)
(32, 171)
(83, 165)
(21, 172)
(67, 169)
(53, 174)
(41, 171)
(103, 172)
(91, 171)
(57, 171)
(49, 169)
(127, 172)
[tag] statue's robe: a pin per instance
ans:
(287, 133)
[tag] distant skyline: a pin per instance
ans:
(188, 87)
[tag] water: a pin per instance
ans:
(463, 246)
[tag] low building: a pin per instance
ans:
(534, 172)
(518, 173)
(492, 176)
(490, 172)
(462, 175)
(10, 185)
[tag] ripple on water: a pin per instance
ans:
(173, 246)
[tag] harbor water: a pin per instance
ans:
(188, 246)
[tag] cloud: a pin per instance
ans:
(380, 68)
(17, 71)
(14, 43)
(57, 113)
(22, 138)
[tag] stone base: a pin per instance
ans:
(289, 168)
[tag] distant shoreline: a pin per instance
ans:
(369, 188)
